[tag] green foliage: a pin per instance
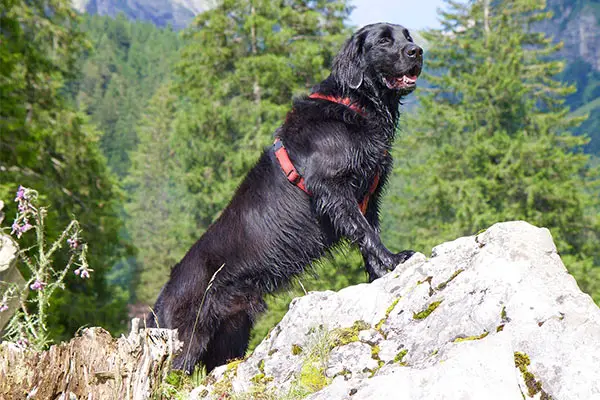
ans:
(126, 65)
(491, 139)
(158, 214)
(47, 145)
(177, 384)
(586, 101)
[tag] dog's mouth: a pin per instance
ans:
(404, 82)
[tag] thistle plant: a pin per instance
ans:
(28, 327)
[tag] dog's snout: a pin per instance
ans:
(413, 51)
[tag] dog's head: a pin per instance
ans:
(384, 54)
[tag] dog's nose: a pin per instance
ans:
(413, 51)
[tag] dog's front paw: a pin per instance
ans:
(379, 266)
(402, 257)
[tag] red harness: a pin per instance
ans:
(292, 173)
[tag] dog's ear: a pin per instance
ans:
(349, 64)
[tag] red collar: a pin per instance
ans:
(341, 100)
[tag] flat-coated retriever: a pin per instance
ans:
(321, 181)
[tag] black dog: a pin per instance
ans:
(298, 200)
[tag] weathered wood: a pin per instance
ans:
(91, 366)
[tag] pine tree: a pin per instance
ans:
(128, 62)
(159, 219)
(491, 139)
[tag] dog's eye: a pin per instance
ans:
(385, 40)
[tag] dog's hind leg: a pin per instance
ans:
(232, 334)
(194, 349)
(230, 341)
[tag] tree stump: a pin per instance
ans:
(91, 366)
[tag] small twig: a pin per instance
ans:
(155, 318)
(58, 243)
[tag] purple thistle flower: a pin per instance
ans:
(20, 230)
(73, 243)
(83, 272)
(22, 343)
(3, 307)
(20, 193)
(16, 228)
(27, 226)
(38, 285)
(22, 207)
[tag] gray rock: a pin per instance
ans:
(353, 359)
(492, 316)
(477, 370)
(370, 336)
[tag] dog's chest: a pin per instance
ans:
(372, 167)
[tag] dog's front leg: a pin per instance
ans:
(338, 204)
(372, 217)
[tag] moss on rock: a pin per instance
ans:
(443, 285)
(296, 349)
(400, 356)
(425, 313)
(534, 386)
(312, 377)
(388, 311)
(342, 336)
(469, 338)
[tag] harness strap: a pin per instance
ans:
(292, 173)
(286, 165)
(365, 201)
(296, 179)
(341, 100)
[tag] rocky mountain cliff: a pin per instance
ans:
(177, 13)
(491, 316)
(577, 24)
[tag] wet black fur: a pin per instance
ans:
(271, 230)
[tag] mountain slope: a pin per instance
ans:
(576, 23)
(177, 13)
